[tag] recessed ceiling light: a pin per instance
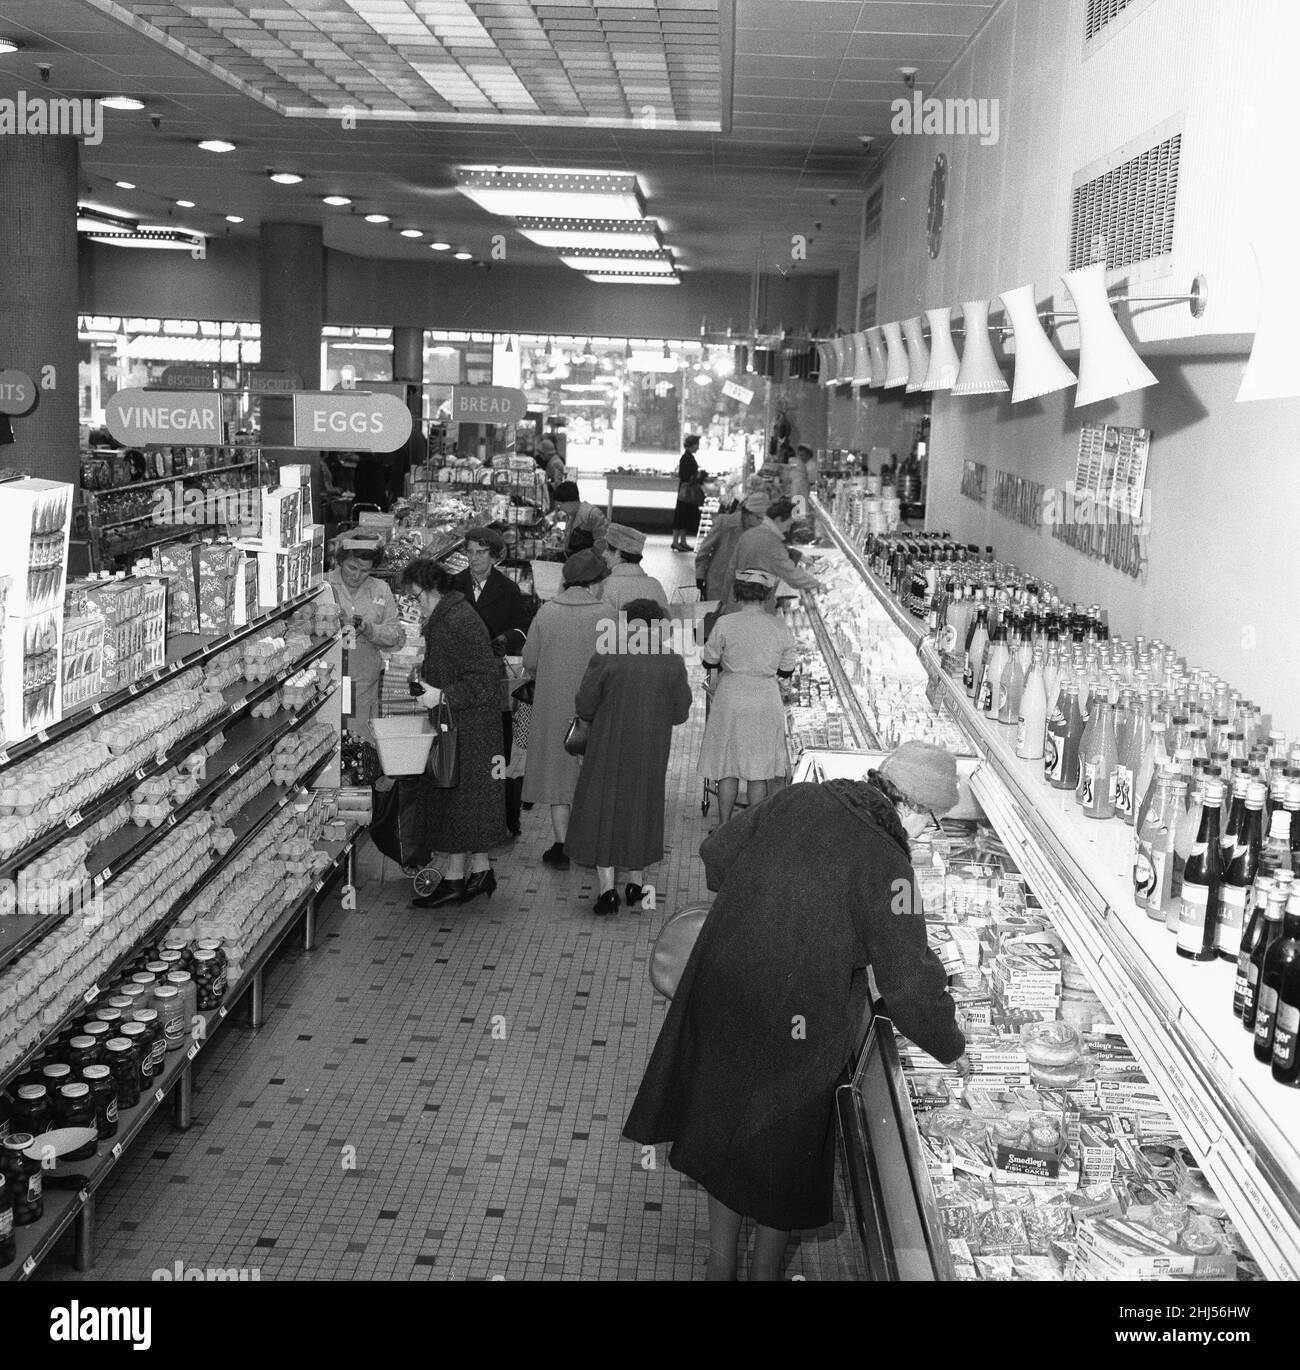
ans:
(234, 218)
(629, 278)
(216, 145)
(376, 218)
(286, 178)
(186, 204)
(412, 233)
(125, 185)
(441, 247)
(464, 256)
(7, 45)
(336, 200)
(637, 234)
(514, 191)
(121, 102)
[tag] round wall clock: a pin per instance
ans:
(938, 202)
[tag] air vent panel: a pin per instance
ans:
(1101, 13)
(867, 310)
(1126, 215)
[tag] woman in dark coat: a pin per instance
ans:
(634, 692)
(686, 516)
(506, 614)
(814, 885)
(468, 820)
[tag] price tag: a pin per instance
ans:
(193, 1051)
(82, 1195)
(234, 769)
(73, 820)
(159, 1095)
(29, 1265)
(171, 820)
(117, 1151)
(160, 759)
(221, 1011)
(141, 772)
(4, 758)
(91, 993)
(42, 736)
(96, 708)
(133, 688)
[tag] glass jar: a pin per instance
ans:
(209, 978)
(170, 1008)
(56, 1075)
(151, 1060)
(138, 1035)
(104, 1026)
(83, 1051)
(146, 978)
(23, 1175)
(184, 982)
(103, 1090)
(123, 1003)
(173, 958)
(124, 1062)
(32, 1112)
(138, 996)
(156, 967)
(8, 1247)
(76, 1108)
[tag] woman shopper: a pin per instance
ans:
(506, 614)
(763, 548)
(561, 641)
(746, 655)
(686, 515)
(714, 556)
(633, 697)
(367, 605)
(468, 820)
(581, 518)
(813, 886)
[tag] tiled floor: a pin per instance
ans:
(440, 1095)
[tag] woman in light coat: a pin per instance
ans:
(560, 643)
(369, 611)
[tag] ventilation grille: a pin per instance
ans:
(1101, 12)
(874, 213)
(867, 310)
(1126, 215)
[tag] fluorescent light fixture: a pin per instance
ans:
(463, 256)
(376, 218)
(185, 204)
(7, 45)
(898, 369)
(514, 191)
(335, 200)
(93, 220)
(125, 185)
(286, 178)
(944, 362)
(918, 353)
(234, 218)
(441, 247)
(1039, 369)
(611, 234)
(655, 263)
(1108, 364)
(630, 278)
(412, 233)
(980, 373)
(216, 145)
(128, 102)
(156, 236)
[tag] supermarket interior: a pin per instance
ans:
(634, 658)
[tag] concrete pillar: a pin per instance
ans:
(293, 314)
(408, 366)
(38, 298)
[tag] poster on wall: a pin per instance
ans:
(974, 480)
(1111, 467)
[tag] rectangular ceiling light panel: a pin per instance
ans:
(612, 234)
(515, 191)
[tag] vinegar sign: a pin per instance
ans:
(350, 421)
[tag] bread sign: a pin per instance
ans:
(487, 404)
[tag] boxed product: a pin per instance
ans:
(244, 606)
(282, 519)
(1119, 1249)
(314, 533)
(35, 523)
(299, 478)
(214, 565)
(83, 658)
(33, 654)
(174, 562)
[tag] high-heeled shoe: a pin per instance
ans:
(607, 903)
(555, 857)
(448, 892)
(634, 894)
(479, 882)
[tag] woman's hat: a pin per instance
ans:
(624, 539)
(566, 492)
(757, 502)
(585, 568)
(359, 544)
(925, 775)
(691, 440)
(489, 537)
(755, 577)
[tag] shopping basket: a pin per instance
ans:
(404, 743)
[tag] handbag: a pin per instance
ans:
(673, 947)
(443, 768)
(689, 492)
(525, 692)
(575, 740)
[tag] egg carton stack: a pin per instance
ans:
(319, 619)
(296, 754)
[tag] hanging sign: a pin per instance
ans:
(350, 421)
(137, 418)
(273, 382)
(397, 388)
(737, 392)
(190, 377)
(17, 392)
(487, 404)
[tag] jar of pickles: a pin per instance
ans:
(151, 1060)
(23, 1178)
(83, 1051)
(209, 978)
(76, 1108)
(170, 1008)
(124, 1062)
(31, 1111)
(101, 1029)
(184, 982)
(103, 1090)
(138, 1035)
(56, 1075)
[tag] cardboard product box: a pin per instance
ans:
(244, 606)
(282, 519)
(215, 569)
(32, 667)
(153, 624)
(274, 576)
(1118, 1249)
(299, 478)
(314, 533)
(35, 524)
(82, 668)
(174, 563)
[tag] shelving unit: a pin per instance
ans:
(1177, 1016)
